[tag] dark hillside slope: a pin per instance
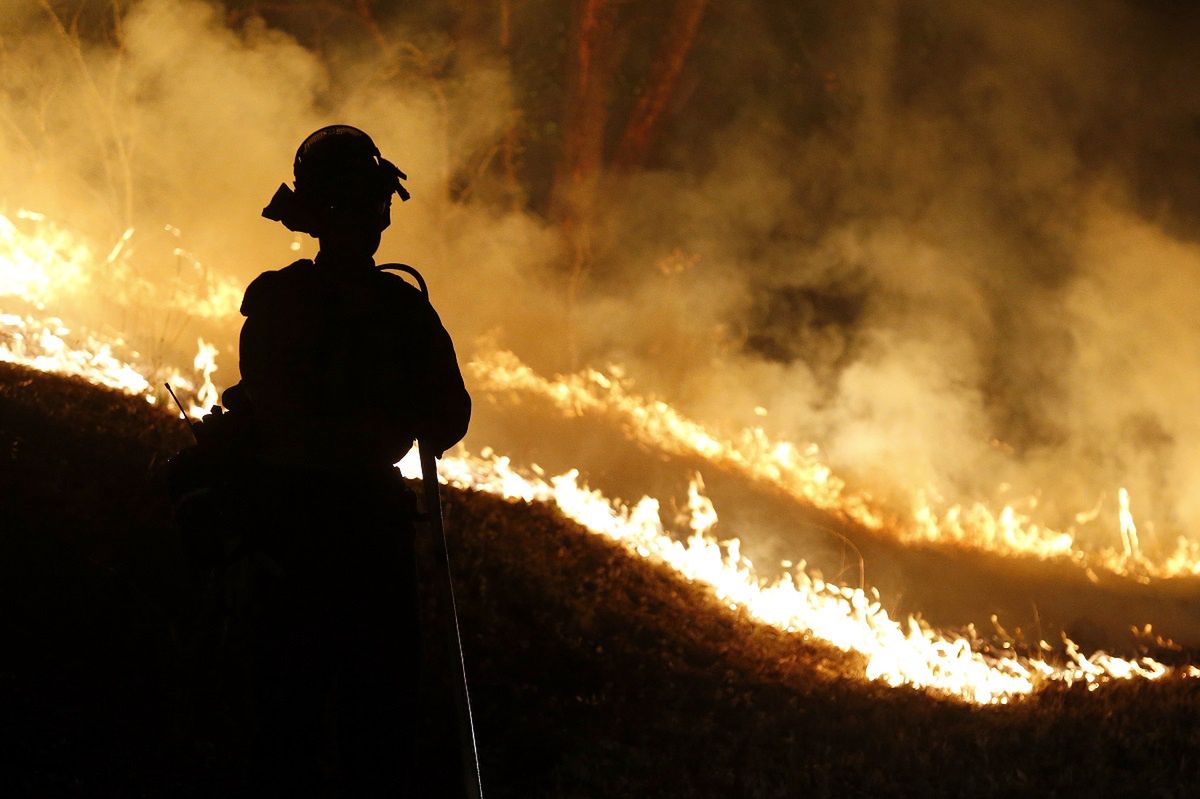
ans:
(593, 674)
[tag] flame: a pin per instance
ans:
(43, 262)
(1129, 533)
(41, 265)
(46, 264)
(897, 652)
(800, 472)
(205, 362)
(49, 346)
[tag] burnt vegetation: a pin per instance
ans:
(593, 674)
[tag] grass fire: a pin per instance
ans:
(832, 371)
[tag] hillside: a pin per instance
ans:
(593, 674)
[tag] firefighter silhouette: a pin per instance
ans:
(343, 364)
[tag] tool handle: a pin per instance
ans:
(462, 695)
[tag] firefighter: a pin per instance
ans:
(343, 365)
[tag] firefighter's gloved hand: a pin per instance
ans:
(220, 430)
(207, 429)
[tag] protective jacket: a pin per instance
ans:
(344, 366)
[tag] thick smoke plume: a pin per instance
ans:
(951, 243)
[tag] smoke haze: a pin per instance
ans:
(954, 244)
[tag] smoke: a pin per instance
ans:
(180, 126)
(951, 243)
(975, 273)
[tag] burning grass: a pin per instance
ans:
(594, 673)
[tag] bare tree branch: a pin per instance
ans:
(673, 49)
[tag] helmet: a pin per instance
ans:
(336, 167)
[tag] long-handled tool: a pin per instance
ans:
(469, 749)
(462, 696)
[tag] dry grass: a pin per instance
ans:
(593, 674)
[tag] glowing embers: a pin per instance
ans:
(898, 653)
(801, 473)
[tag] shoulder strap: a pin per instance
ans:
(410, 271)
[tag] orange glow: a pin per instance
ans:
(41, 264)
(898, 652)
(800, 472)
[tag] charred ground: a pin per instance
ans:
(593, 674)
